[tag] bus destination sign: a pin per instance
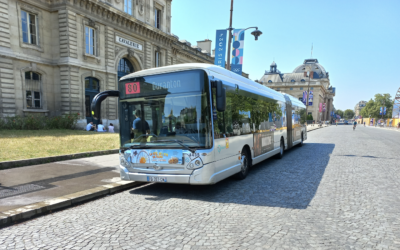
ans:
(132, 88)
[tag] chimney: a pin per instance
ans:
(305, 73)
(312, 74)
(205, 45)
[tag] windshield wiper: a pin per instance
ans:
(123, 149)
(179, 142)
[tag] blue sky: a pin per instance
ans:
(357, 41)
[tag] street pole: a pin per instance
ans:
(228, 65)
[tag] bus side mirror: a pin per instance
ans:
(221, 97)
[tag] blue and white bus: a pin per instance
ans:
(199, 124)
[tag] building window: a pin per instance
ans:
(293, 80)
(33, 90)
(302, 80)
(29, 28)
(128, 6)
(125, 67)
(301, 99)
(157, 18)
(157, 59)
(291, 88)
(312, 88)
(269, 81)
(90, 40)
(278, 89)
(301, 88)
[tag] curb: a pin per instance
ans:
(43, 160)
(44, 207)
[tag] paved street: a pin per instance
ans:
(339, 191)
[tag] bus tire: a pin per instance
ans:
(281, 151)
(302, 140)
(245, 167)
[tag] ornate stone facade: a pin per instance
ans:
(299, 80)
(77, 43)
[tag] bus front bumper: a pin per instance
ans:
(196, 178)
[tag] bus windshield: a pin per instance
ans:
(166, 111)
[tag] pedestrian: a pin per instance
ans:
(100, 127)
(111, 128)
(364, 124)
(354, 125)
(90, 127)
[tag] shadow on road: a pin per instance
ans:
(289, 183)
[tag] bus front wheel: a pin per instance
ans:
(245, 166)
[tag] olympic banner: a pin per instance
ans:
(384, 110)
(310, 98)
(220, 48)
(380, 111)
(304, 97)
(320, 107)
(237, 51)
(323, 107)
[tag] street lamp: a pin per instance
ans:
(255, 33)
(308, 69)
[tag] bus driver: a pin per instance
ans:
(140, 126)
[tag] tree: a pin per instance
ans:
(310, 117)
(340, 112)
(372, 108)
(349, 114)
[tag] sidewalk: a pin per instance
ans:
(37, 187)
(387, 128)
(311, 127)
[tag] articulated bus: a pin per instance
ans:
(199, 124)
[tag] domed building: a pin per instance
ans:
(309, 76)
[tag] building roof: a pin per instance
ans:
(315, 67)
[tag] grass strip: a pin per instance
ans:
(27, 144)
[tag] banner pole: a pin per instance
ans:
(228, 65)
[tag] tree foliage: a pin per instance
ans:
(349, 114)
(340, 112)
(372, 108)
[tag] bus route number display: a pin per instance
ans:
(132, 88)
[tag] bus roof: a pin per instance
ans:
(215, 69)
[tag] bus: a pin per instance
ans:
(199, 124)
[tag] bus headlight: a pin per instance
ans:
(123, 160)
(196, 163)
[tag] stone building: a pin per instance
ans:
(299, 80)
(359, 106)
(56, 55)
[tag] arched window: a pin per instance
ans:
(302, 80)
(124, 67)
(293, 80)
(33, 90)
(301, 99)
(92, 84)
(269, 81)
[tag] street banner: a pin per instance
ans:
(323, 107)
(304, 97)
(320, 107)
(384, 110)
(237, 51)
(380, 111)
(220, 48)
(310, 98)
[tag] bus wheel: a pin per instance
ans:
(302, 140)
(244, 171)
(281, 150)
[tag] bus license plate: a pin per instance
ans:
(156, 179)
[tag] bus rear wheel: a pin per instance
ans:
(302, 141)
(245, 166)
(281, 150)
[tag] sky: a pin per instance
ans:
(356, 41)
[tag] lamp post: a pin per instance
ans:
(308, 68)
(255, 33)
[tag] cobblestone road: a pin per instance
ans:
(340, 191)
